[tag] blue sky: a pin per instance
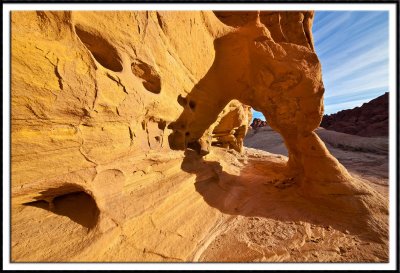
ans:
(353, 49)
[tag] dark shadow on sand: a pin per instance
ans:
(264, 190)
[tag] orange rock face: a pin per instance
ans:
(105, 103)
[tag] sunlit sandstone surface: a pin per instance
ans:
(127, 142)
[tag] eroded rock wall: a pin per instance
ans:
(87, 89)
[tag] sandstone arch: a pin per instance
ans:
(281, 80)
(284, 82)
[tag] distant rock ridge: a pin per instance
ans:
(369, 120)
(257, 123)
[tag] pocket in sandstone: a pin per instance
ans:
(182, 101)
(155, 131)
(192, 105)
(151, 79)
(71, 201)
(162, 124)
(102, 50)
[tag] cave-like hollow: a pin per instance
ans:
(69, 200)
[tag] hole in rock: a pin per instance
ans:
(150, 77)
(104, 53)
(70, 201)
(195, 146)
(192, 105)
(261, 130)
(162, 124)
(182, 101)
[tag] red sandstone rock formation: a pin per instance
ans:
(257, 123)
(369, 120)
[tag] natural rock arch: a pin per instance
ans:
(284, 82)
(281, 80)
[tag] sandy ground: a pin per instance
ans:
(283, 236)
(283, 229)
(364, 157)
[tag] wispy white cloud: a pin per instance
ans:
(361, 61)
(330, 24)
(358, 84)
(353, 49)
(333, 108)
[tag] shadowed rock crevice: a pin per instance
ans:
(150, 77)
(105, 53)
